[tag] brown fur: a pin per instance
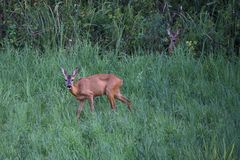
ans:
(97, 85)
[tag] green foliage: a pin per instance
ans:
(183, 108)
(121, 25)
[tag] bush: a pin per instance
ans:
(121, 25)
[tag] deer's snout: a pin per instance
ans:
(69, 83)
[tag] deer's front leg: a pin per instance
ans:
(80, 108)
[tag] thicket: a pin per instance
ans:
(123, 25)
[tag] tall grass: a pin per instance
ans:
(183, 108)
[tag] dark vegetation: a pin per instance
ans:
(123, 25)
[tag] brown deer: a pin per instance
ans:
(95, 85)
(173, 40)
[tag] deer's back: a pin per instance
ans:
(96, 84)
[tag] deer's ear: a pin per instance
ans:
(169, 32)
(75, 71)
(177, 32)
(64, 72)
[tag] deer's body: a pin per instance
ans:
(171, 48)
(95, 85)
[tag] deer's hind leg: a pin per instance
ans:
(110, 92)
(91, 103)
(111, 99)
(123, 99)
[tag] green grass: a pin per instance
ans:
(184, 108)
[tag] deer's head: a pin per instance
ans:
(69, 78)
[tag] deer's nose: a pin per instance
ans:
(69, 86)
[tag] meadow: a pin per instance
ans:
(183, 107)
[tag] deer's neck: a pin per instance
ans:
(74, 90)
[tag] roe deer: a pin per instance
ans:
(173, 40)
(95, 85)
